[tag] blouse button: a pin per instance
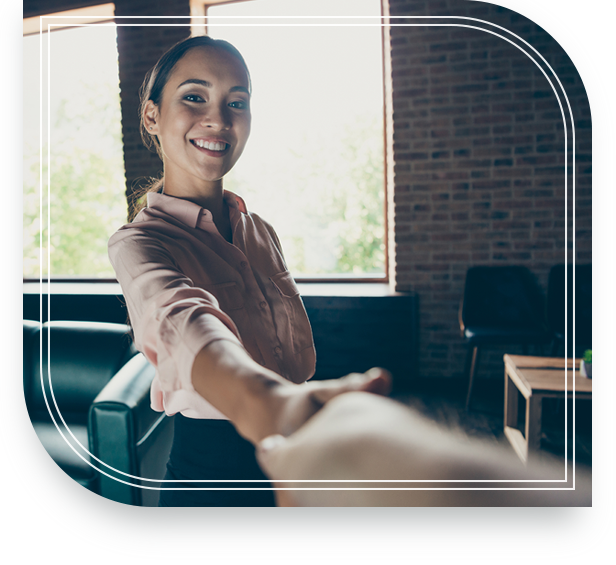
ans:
(243, 264)
(277, 350)
(263, 305)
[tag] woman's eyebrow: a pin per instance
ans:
(207, 84)
(197, 81)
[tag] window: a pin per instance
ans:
(83, 152)
(314, 164)
(313, 167)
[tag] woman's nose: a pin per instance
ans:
(216, 118)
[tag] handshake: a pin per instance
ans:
(363, 449)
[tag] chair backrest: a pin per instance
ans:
(555, 306)
(81, 359)
(507, 296)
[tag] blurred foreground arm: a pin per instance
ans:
(362, 437)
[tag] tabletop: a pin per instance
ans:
(548, 373)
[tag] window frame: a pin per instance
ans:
(87, 15)
(198, 8)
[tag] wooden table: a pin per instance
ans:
(537, 378)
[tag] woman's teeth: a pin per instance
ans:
(211, 145)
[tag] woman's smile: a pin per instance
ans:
(203, 120)
(211, 146)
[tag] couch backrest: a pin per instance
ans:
(83, 357)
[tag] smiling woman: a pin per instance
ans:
(204, 111)
(212, 303)
(195, 110)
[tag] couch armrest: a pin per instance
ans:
(127, 436)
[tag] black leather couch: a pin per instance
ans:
(99, 399)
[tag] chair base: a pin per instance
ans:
(472, 361)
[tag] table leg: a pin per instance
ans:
(533, 421)
(511, 402)
(515, 436)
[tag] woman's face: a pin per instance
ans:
(203, 119)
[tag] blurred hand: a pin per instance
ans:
(358, 438)
(354, 437)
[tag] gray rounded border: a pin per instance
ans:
(370, 531)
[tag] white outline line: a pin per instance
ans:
(323, 25)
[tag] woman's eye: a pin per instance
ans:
(193, 98)
(239, 105)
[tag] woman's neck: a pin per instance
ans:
(208, 196)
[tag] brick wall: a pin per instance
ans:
(139, 47)
(479, 153)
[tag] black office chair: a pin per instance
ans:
(101, 404)
(555, 309)
(500, 306)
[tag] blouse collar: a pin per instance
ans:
(188, 212)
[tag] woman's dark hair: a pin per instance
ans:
(152, 89)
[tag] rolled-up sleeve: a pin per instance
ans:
(172, 320)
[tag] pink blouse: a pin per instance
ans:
(185, 286)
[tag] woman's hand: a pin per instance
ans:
(281, 408)
(298, 403)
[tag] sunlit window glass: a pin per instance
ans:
(86, 169)
(314, 164)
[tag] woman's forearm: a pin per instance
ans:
(250, 395)
(259, 402)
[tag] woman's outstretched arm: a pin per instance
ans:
(259, 402)
(197, 350)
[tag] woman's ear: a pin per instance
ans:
(150, 117)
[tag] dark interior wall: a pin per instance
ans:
(43, 7)
(479, 153)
